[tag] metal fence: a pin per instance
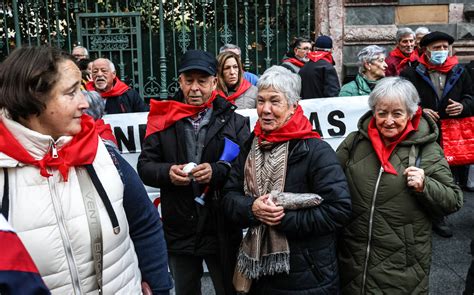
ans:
(145, 39)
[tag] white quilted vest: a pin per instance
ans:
(49, 217)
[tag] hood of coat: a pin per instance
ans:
(427, 130)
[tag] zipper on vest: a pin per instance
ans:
(65, 237)
(371, 219)
(54, 150)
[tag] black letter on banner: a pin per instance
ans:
(141, 134)
(314, 120)
(129, 142)
(332, 120)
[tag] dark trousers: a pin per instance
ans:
(187, 271)
(469, 289)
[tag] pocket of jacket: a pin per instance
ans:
(409, 245)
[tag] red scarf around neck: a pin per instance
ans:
(405, 59)
(297, 127)
(385, 151)
(244, 86)
(118, 89)
(324, 55)
(163, 114)
(105, 131)
(295, 61)
(80, 151)
(447, 66)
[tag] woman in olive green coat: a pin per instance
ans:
(372, 68)
(399, 181)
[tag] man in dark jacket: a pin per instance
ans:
(181, 133)
(120, 98)
(445, 90)
(318, 75)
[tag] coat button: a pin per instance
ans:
(222, 120)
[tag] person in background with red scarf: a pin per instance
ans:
(120, 98)
(231, 83)
(296, 57)
(399, 182)
(78, 207)
(286, 250)
(194, 131)
(318, 76)
(445, 90)
(404, 54)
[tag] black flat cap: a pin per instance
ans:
(436, 36)
(198, 60)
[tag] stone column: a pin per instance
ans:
(329, 18)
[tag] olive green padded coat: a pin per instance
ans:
(386, 247)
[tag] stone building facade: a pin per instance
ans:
(354, 24)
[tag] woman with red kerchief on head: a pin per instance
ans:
(399, 180)
(78, 207)
(289, 189)
(231, 83)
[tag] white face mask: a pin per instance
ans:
(439, 57)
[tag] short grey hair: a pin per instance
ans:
(402, 32)
(283, 80)
(368, 54)
(228, 46)
(395, 88)
(86, 52)
(111, 64)
(96, 104)
(422, 30)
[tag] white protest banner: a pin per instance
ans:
(334, 118)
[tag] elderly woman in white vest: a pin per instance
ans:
(78, 207)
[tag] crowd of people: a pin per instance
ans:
(316, 221)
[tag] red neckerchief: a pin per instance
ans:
(163, 114)
(244, 85)
(384, 151)
(295, 61)
(80, 151)
(324, 55)
(118, 89)
(297, 127)
(447, 66)
(105, 131)
(405, 59)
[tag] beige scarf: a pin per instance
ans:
(264, 250)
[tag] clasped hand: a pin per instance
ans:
(266, 211)
(202, 174)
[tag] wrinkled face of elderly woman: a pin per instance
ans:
(65, 106)
(273, 109)
(391, 118)
(375, 69)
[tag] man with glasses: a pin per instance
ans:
(296, 57)
(80, 52)
(181, 156)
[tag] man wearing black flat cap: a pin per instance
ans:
(444, 87)
(193, 131)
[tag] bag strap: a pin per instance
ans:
(95, 229)
(6, 199)
(103, 196)
(414, 157)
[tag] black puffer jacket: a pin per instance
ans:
(312, 167)
(190, 229)
(128, 102)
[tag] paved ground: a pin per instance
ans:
(451, 257)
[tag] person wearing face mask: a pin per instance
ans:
(444, 87)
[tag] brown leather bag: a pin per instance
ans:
(241, 283)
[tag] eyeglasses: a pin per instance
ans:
(304, 48)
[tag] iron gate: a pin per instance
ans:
(145, 39)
